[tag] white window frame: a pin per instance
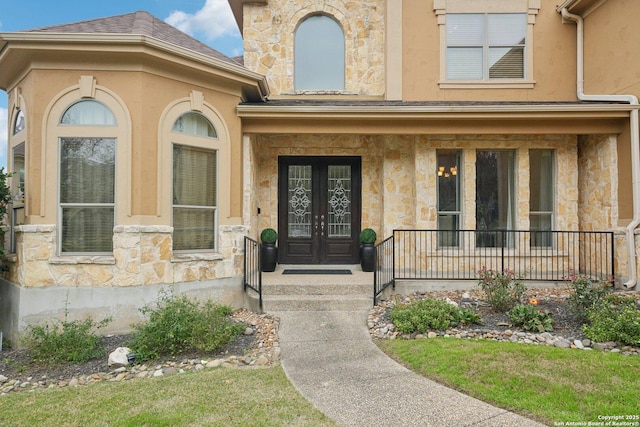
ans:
(49, 212)
(551, 190)
(195, 102)
(205, 144)
(71, 131)
(528, 7)
(448, 172)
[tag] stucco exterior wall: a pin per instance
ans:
(553, 45)
(142, 262)
(611, 31)
(269, 41)
(146, 96)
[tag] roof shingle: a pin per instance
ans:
(141, 23)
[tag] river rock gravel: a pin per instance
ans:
(257, 347)
(567, 330)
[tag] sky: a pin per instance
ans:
(209, 21)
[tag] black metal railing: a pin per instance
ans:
(252, 271)
(384, 271)
(460, 254)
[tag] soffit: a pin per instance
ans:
(581, 7)
(397, 117)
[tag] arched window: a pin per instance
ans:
(319, 54)
(195, 183)
(88, 113)
(19, 122)
(17, 143)
(194, 124)
(87, 178)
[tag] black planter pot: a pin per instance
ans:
(368, 257)
(268, 257)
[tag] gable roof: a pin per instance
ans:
(141, 23)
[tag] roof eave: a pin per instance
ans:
(243, 74)
(580, 7)
(439, 111)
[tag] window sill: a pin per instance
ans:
(83, 259)
(510, 84)
(187, 257)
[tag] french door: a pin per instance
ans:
(319, 209)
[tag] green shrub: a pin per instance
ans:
(179, 324)
(269, 236)
(530, 318)
(585, 293)
(429, 314)
(467, 316)
(501, 290)
(368, 235)
(614, 318)
(66, 341)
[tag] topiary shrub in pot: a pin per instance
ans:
(268, 250)
(367, 249)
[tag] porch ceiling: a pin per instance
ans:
(385, 117)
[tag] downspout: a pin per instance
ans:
(635, 143)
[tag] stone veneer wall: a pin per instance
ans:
(399, 175)
(269, 39)
(41, 286)
(598, 165)
(269, 147)
(142, 255)
(598, 183)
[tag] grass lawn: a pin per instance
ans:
(550, 384)
(215, 397)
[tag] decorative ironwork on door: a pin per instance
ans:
(299, 191)
(339, 201)
(319, 209)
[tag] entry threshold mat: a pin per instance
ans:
(315, 271)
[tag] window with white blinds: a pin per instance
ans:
(87, 179)
(486, 46)
(195, 185)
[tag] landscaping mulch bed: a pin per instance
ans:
(18, 363)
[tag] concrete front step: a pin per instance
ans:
(317, 289)
(316, 302)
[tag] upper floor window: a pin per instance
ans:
(484, 46)
(319, 55)
(195, 184)
(87, 180)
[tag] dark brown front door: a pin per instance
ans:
(319, 208)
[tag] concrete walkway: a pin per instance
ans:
(330, 359)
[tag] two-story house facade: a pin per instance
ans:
(457, 114)
(441, 115)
